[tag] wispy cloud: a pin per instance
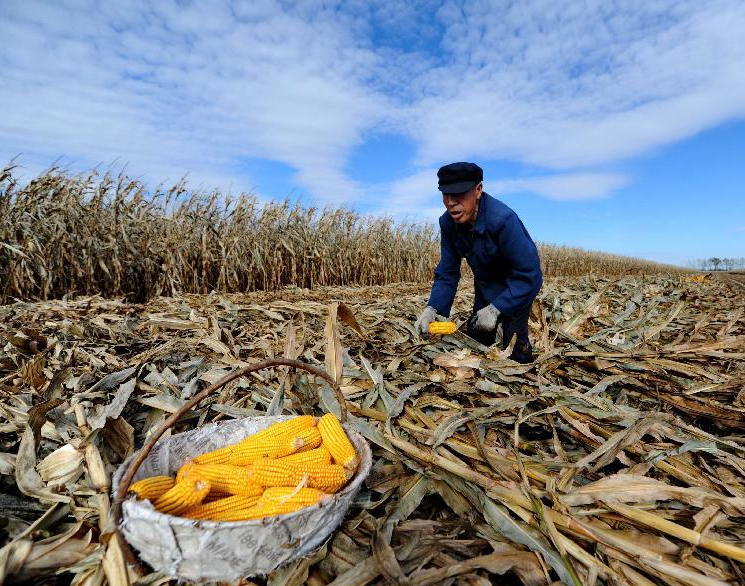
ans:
(566, 186)
(559, 85)
(175, 87)
(417, 196)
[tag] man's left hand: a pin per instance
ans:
(486, 318)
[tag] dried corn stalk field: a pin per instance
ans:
(617, 458)
(110, 235)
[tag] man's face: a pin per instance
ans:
(462, 207)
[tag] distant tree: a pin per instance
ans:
(715, 262)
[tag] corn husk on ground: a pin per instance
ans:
(617, 458)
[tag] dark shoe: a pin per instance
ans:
(522, 357)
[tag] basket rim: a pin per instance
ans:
(327, 501)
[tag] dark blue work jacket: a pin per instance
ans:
(501, 254)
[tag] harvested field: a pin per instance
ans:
(618, 457)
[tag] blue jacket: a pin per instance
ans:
(501, 254)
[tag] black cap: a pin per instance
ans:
(459, 177)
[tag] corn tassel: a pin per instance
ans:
(326, 477)
(275, 441)
(214, 510)
(153, 487)
(336, 440)
(185, 494)
(223, 478)
(442, 327)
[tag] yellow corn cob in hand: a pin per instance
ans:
(223, 478)
(326, 477)
(336, 440)
(220, 508)
(185, 494)
(153, 487)
(275, 441)
(442, 327)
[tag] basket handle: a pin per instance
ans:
(121, 492)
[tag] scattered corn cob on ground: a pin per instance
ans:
(278, 470)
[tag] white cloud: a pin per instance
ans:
(567, 186)
(558, 85)
(175, 87)
(416, 197)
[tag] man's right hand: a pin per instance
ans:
(427, 317)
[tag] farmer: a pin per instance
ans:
(499, 250)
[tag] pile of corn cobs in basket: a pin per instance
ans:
(278, 470)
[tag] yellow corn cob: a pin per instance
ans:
(223, 478)
(310, 438)
(216, 496)
(287, 494)
(214, 509)
(279, 501)
(153, 487)
(187, 468)
(275, 441)
(242, 514)
(256, 512)
(185, 494)
(316, 457)
(442, 327)
(336, 440)
(326, 477)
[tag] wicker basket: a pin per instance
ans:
(210, 550)
(200, 550)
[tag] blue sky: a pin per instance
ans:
(616, 126)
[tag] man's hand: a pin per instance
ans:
(486, 318)
(427, 317)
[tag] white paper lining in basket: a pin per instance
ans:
(206, 550)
